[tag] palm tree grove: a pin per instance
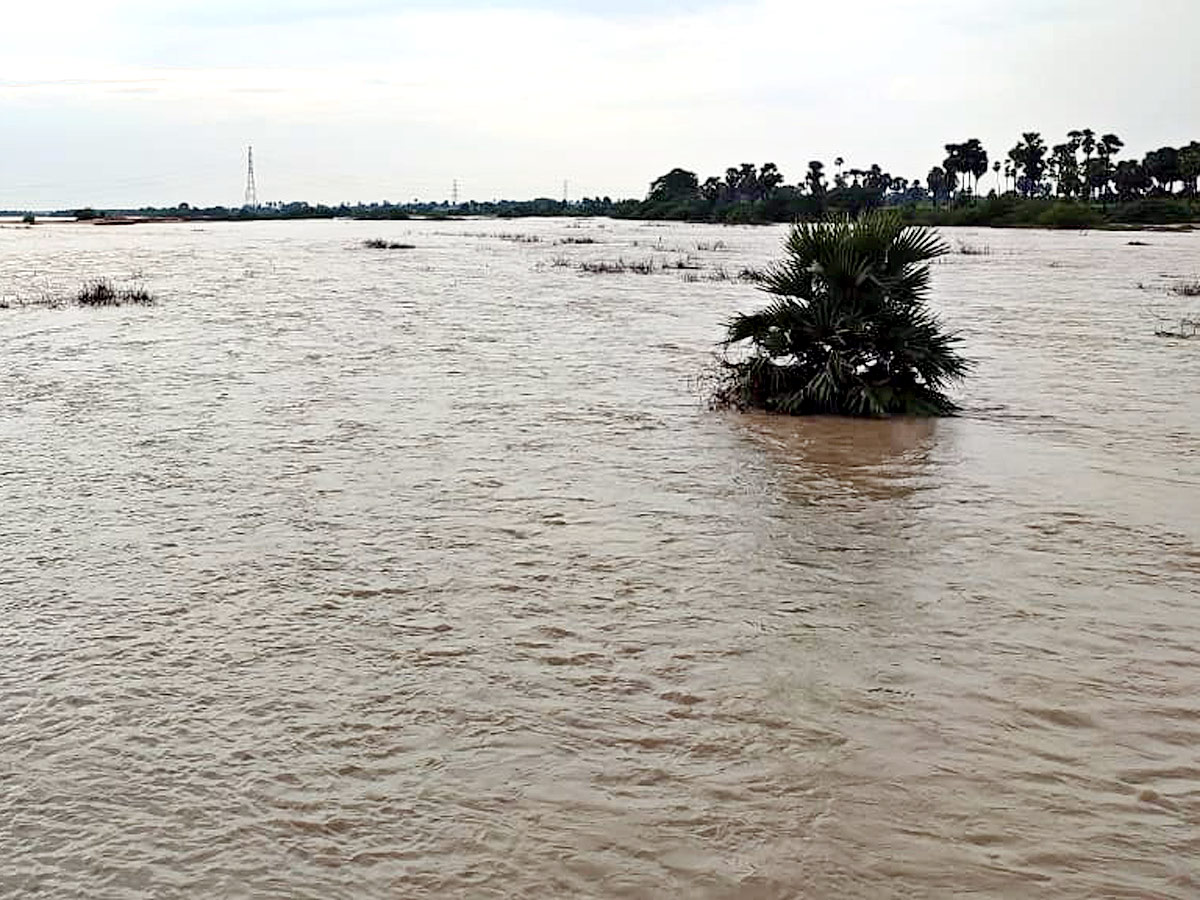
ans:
(1078, 183)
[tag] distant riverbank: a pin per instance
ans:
(1006, 211)
(1018, 212)
(1078, 184)
(1025, 215)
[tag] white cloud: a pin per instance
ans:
(362, 99)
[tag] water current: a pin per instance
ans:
(349, 573)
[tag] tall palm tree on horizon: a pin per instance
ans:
(1087, 143)
(1110, 145)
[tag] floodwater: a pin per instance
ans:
(346, 573)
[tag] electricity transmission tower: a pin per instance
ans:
(251, 187)
(455, 201)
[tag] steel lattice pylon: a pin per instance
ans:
(251, 187)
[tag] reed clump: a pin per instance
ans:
(617, 267)
(1187, 328)
(965, 249)
(516, 238)
(102, 292)
(99, 292)
(745, 274)
(380, 244)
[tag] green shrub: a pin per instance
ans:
(1076, 216)
(849, 332)
(1154, 211)
(740, 213)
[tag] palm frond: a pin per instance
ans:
(847, 330)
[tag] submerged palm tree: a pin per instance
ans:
(849, 332)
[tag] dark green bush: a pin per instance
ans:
(1155, 210)
(849, 332)
(1075, 216)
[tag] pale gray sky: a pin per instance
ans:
(132, 102)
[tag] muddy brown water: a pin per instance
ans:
(424, 573)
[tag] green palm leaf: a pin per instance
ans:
(848, 330)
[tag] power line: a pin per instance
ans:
(251, 187)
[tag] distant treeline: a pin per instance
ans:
(542, 206)
(1078, 183)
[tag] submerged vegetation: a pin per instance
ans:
(722, 274)
(849, 331)
(96, 293)
(618, 267)
(1187, 328)
(101, 292)
(515, 238)
(965, 249)
(380, 244)
(647, 266)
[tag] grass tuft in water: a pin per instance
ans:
(514, 238)
(964, 249)
(101, 292)
(1187, 328)
(619, 267)
(722, 274)
(380, 244)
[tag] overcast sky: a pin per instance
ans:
(134, 102)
